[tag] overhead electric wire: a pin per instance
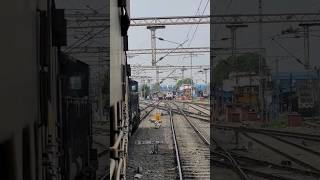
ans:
(198, 23)
(69, 49)
(194, 15)
(74, 43)
(161, 58)
(288, 52)
(187, 36)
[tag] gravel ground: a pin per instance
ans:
(257, 151)
(194, 154)
(157, 166)
(300, 154)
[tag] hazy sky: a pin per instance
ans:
(248, 37)
(139, 37)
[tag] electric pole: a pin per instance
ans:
(191, 75)
(233, 29)
(153, 50)
(205, 73)
(306, 32)
(261, 82)
(182, 72)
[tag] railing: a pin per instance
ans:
(119, 150)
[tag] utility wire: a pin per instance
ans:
(84, 36)
(198, 10)
(194, 15)
(161, 58)
(287, 51)
(198, 23)
(86, 39)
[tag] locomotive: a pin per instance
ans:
(120, 111)
(47, 129)
(134, 111)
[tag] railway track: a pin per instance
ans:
(306, 158)
(220, 153)
(189, 114)
(200, 110)
(247, 167)
(147, 105)
(152, 106)
(305, 161)
(310, 137)
(192, 147)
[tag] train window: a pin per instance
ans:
(7, 160)
(119, 117)
(133, 88)
(112, 124)
(75, 83)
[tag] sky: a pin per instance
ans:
(248, 37)
(140, 37)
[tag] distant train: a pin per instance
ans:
(169, 96)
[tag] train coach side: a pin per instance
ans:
(119, 89)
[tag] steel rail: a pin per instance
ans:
(295, 145)
(189, 114)
(241, 173)
(177, 153)
(252, 171)
(266, 164)
(146, 115)
(276, 166)
(198, 109)
(310, 137)
(193, 126)
(202, 105)
(282, 153)
(148, 105)
(234, 163)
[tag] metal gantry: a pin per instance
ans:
(167, 50)
(183, 51)
(80, 20)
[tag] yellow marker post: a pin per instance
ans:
(157, 117)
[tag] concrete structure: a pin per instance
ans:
(245, 87)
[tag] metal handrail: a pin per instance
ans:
(112, 167)
(119, 169)
(117, 143)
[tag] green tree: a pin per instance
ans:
(145, 89)
(248, 62)
(155, 87)
(183, 81)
